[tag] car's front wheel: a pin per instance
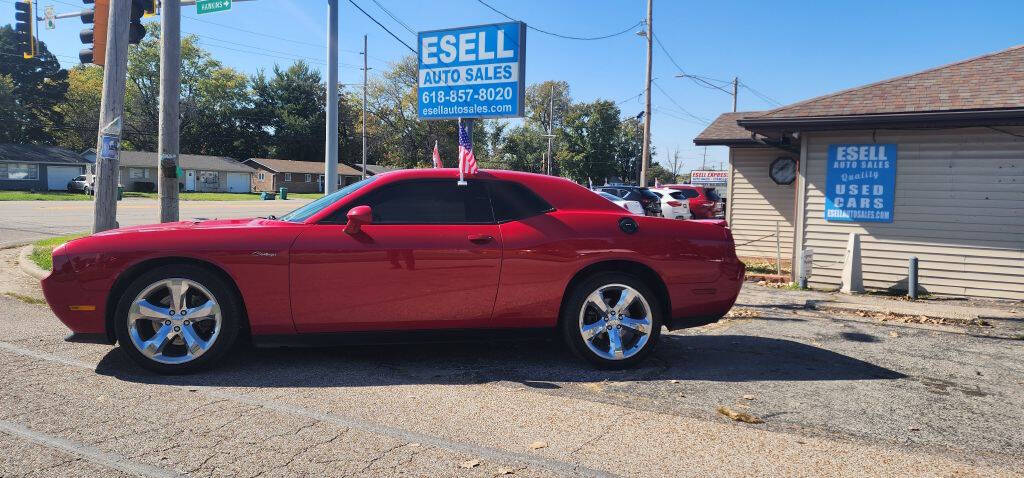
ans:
(611, 319)
(177, 319)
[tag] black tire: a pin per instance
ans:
(570, 321)
(223, 295)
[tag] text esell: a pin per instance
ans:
(469, 46)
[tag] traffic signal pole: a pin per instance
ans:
(331, 150)
(111, 117)
(170, 91)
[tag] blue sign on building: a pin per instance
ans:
(473, 72)
(860, 182)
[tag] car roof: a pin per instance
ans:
(561, 193)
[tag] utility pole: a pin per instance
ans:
(331, 149)
(365, 68)
(735, 90)
(551, 121)
(111, 111)
(645, 161)
(170, 92)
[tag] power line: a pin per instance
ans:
(354, 4)
(766, 98)
(393, 17)
(681, 108)
(559, 35)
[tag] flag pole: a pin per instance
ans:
(462, 167)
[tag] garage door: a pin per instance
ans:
(57, 177)
(238, 182)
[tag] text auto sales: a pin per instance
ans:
(867, 160)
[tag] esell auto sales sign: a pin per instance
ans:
(860, 182)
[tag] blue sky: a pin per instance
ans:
(789, 51)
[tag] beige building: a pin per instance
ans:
(199, 173)
(297, 176)
(955, 138)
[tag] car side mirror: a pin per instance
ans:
(357, 217)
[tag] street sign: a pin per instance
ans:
(860, 182)
(210, 6)
(709, 177)
(50, 17)
(473, 72)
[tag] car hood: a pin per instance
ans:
(196, 224)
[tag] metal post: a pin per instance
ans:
(111, 112)
(735, 91)
(778, 250)
(645, 160)
(170, 91)
(912, 279)
(551, 121)
(364, 105)
(331, 147)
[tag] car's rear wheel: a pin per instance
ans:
(177, 319)
(612, 320)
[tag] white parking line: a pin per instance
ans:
(355, 423)
(87, 452)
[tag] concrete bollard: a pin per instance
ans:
(912, 279)
(853, 277)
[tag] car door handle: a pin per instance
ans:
(480, 238)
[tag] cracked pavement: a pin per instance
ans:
(839, 397)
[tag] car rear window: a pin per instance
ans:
(712, 195)
(689, 193)
(513, 201)
(649, 194)
(677, 195)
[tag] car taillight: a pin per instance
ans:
(675, 203)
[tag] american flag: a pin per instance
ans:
(437, 157)
(467, 161)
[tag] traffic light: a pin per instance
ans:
(25, 27)
(136, 32)
(96, 36)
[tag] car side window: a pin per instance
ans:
(426, 202)
(513, 201)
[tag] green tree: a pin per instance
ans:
(590, 141)
(34, 86)
(292, 103)
(523, 149)
(81, 108)
(658, 173)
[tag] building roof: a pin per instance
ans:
(37, 153)
(290, 166)
(148, 159)
(724, 131)
(376, 168)
(980, 88)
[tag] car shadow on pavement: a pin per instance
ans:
(718, 358)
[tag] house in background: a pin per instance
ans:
(297, 176)
(29, 167)
(929, 165)
(198, 173)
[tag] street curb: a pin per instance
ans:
(30, 267)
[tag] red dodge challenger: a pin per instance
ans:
(402, 255)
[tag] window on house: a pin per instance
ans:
(288, 176)
(309, 178)
(261, 176)
(19, 171)
(138, 173)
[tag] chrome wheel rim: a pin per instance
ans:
(174, 321)
(615, 321)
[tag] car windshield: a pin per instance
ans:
(307, 211)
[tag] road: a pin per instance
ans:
(30, 220)
(838, 397)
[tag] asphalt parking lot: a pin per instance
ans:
(837, 397)
(30, 220)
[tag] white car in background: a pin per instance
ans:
(673, 204)
(631, 206)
